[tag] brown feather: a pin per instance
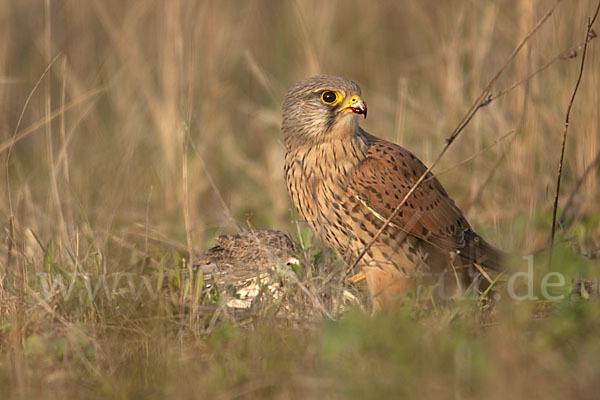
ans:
(384, 178)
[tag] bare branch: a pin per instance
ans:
(588, 37)
(563, 55)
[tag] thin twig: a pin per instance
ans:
(482, 272)
(473, 156)
(563, 55)
(588, 36)
(481, 101)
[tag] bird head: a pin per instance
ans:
(320, 109)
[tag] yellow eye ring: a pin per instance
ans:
(331, 98)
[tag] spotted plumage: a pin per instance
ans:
(345, 183)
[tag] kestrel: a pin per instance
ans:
(345, 183)
(239, 265)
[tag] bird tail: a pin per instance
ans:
(478, 251)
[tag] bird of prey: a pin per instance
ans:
(346, 182)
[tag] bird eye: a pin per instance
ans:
(329, 97)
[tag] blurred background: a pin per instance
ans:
(120, 117)
(133, 132)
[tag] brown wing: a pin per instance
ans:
(383, 179)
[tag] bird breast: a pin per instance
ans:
(317, 180)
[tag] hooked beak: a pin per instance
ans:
(356, 105)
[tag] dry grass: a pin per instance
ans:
(156, 126)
